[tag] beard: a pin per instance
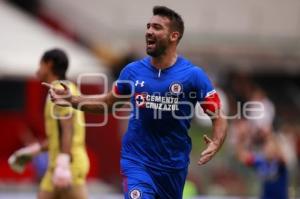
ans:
(157, 48)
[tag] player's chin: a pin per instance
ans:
(151, 51)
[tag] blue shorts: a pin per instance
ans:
(142, 182)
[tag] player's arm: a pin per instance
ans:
(21, 157)
(62, 176)
(96, 104)
(66, 133)
(44, 145)
(219, 126)
(93, 104)
(272, 150)
(212, 108)
(243, 154)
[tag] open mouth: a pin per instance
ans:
(150, 42)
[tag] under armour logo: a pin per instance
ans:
(139, 83)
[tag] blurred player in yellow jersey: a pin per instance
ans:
(68, 162)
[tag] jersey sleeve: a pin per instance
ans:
(124, 85)
(206, 93)
(62, 112)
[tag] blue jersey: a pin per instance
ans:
(274, 175)
(163, 105)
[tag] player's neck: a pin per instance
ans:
(164, 61)
(52, 78)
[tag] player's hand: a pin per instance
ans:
(62, 176)
(18, 160)
(209, 152)
(61, 97)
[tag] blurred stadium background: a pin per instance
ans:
(250, 48)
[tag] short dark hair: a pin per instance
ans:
(177, 23)
(59, 61)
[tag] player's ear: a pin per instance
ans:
(174, 36)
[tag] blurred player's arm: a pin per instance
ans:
(219, 127)
(96, 104)
(270, 150)
(93, 104)
(62, 176)
(273, 150)
(21, 157)
(44, 145)
(66, 134)
(244, 155)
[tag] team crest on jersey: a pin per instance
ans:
(140, 99)
(176, 88)
(135, 194)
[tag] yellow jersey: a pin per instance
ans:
(52, 115)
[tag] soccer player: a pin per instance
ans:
(269, 162)
(68, 162)
(163, 89)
